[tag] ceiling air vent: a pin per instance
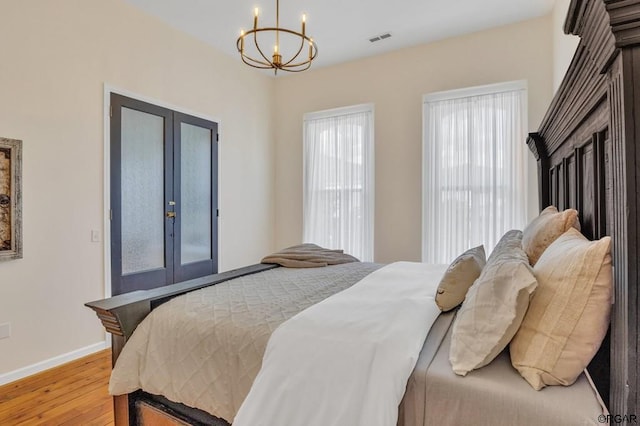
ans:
(379, 37)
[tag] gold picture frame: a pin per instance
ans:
(10, 199)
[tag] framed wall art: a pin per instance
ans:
(10, 199)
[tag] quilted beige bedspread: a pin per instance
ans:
(205, 348)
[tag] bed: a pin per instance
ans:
(587, 159)
(204, 350)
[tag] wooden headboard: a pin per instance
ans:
(588, 159)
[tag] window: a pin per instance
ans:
(474, 168)
(338, 180)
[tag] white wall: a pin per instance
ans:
(395, 83)
(564, 45)
(55, 58)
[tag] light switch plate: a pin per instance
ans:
(5, 330)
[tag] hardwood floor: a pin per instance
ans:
(71, 394)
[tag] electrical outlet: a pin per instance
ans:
(5, 330)
(95, 236)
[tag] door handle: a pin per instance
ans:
(171, 215)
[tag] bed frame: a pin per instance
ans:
(587, 160)
(121, 314)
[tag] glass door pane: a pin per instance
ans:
(142, 168)
(195, 191)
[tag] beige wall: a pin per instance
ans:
(395, 83)
(55, 58)
(564, 45)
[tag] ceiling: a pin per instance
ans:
(342, 28)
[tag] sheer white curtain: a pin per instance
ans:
(338, 180)
(474, 168)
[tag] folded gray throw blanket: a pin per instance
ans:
(308, 256)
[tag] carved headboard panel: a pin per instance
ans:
(588, 160)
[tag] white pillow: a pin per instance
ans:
(494, 307)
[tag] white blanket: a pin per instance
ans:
(345, 361)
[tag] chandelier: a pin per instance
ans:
(299, 50)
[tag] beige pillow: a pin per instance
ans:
(462, 272)
(544, 229)
(494, 307)
(569, 314)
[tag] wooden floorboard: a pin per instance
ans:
(71, 394)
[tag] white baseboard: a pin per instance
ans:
(38, 367)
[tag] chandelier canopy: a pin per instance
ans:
(299, 50)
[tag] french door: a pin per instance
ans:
(164, 167)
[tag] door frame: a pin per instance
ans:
(108, 89)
